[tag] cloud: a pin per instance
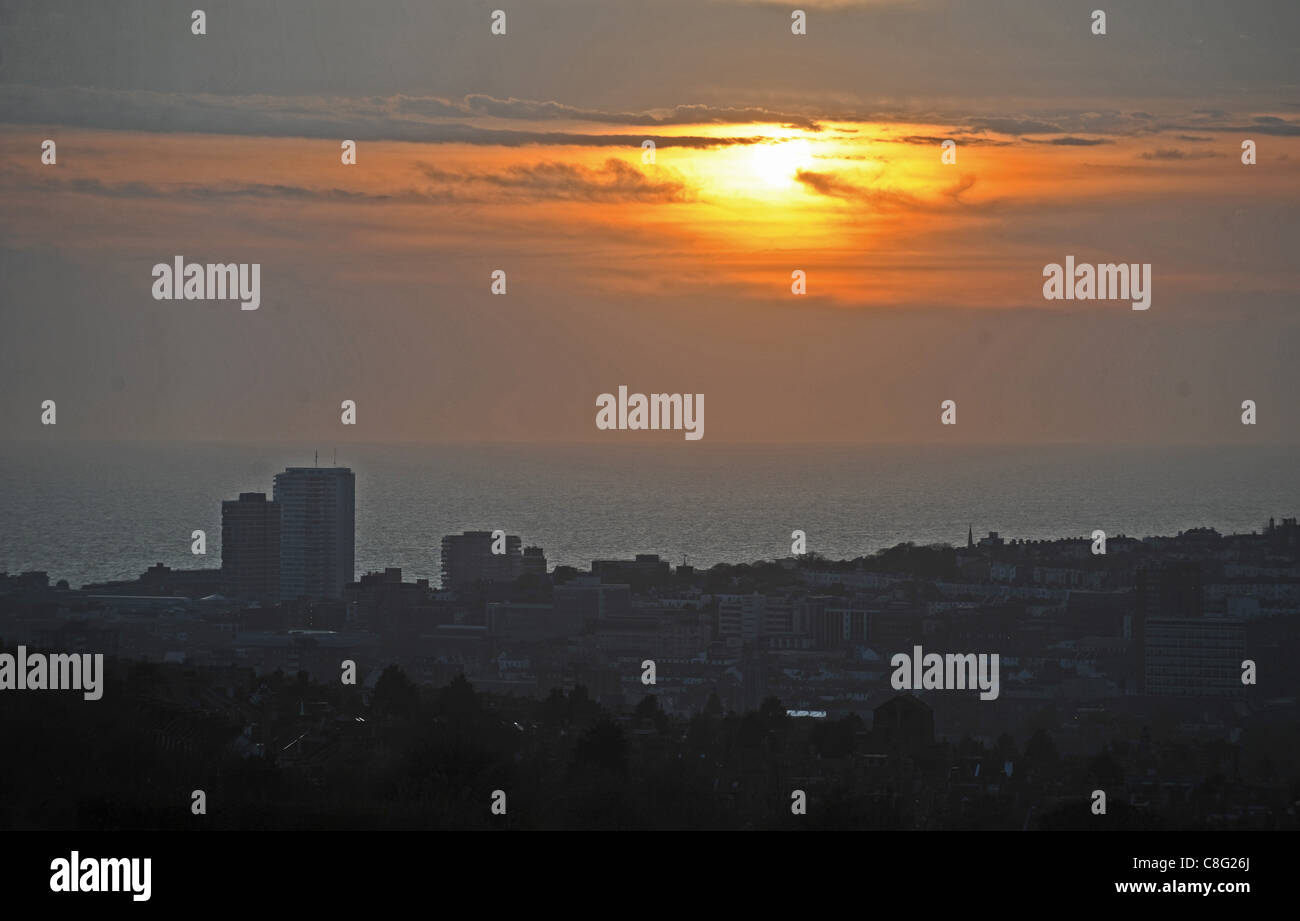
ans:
(1173, 153)
(1268, 125)
(835, 186)
(225, 191)
(539, 110)
(962, 140)
(483, 119)
(881, 198)
(614, 181)
(965, 183)
(1115, 123)
(1069, 141)
(1015, 126)
(397, 118)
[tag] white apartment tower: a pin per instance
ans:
(317, 531)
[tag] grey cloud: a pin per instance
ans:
(432, 119)
(1016, 126)
(962, 140)
(1173, 153)
(834, 186)
(1273, 128)
(1071, 141)
(479, 104)
(356, 118)
(219, 192)
(615, 180)
(881, 198)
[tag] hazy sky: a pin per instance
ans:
(775, 152)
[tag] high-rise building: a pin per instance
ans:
(645, 569)
(468, 558)
(1170, 591)
(317, 531)
(534, 562)
(250, 547)
(590, 600)
(742, 616)
(1193, 657)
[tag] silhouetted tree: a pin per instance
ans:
(458, 699)
(701, 732)
(555, 709)
(603, 746)
(648, 708)
(1040, 754)
(771, 713)
(1106, 772)
(581, 706)
(1006, 748)
(836, 738)
(395, 694)
(751, 731)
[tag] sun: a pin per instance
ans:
(777, 162)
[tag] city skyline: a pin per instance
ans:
(659, 500)
(1097, 682)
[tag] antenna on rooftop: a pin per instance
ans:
(317, 458)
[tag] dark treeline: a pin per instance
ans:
(281, 752)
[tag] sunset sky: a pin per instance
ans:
(774, 152)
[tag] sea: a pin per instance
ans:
(91, 512)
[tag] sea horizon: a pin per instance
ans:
(112, 511)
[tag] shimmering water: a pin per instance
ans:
(90, 512)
